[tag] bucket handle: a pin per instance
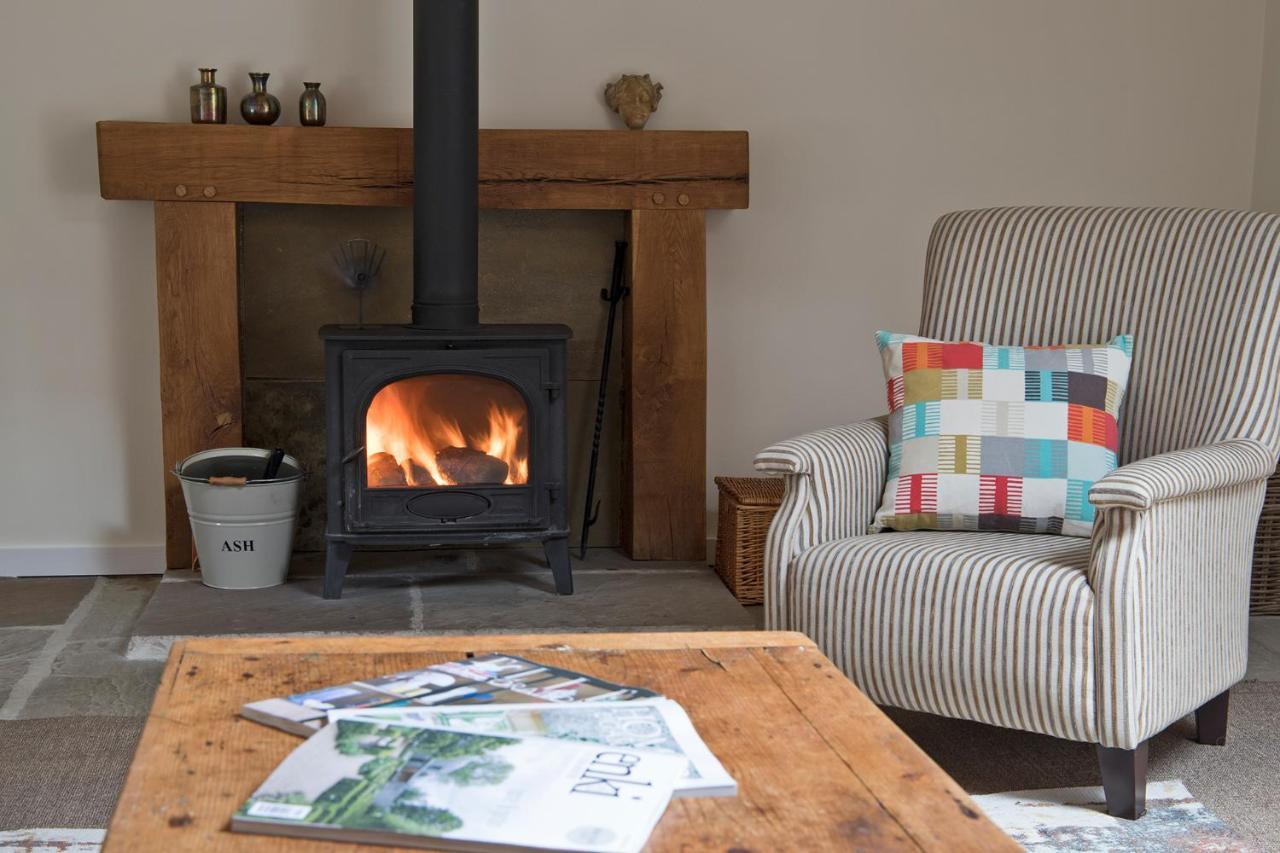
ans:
(228, 481)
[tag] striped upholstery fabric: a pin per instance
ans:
(1149, 618)
(837, 476)
(1197, 289)
(995, 627)
(1141, 484)
(1172, 589)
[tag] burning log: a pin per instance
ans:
(466, 466)
(385, 471)
(419, 476)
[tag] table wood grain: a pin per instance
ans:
(819, 766)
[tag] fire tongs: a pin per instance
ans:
(614, 295)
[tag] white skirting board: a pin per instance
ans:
(64, 560)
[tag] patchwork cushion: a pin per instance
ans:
(986, 437)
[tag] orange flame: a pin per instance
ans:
(407, 422)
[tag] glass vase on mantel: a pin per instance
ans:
(312, 109)
(260, 106)
(208, 100)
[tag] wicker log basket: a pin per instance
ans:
(1264, 595)
(747, 506)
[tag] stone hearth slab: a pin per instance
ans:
(191, 608)
(420, 592)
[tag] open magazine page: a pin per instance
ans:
(651, 724)
(482, 680)
(366, 781)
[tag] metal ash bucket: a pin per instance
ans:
(243, 525)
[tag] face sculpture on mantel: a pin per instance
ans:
(634, 97)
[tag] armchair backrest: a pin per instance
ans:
(1199, 290)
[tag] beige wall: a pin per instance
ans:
(867, 120)
(1266, 176)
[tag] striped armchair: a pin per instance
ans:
(1106, 640)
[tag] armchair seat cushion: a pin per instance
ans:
(993, 627)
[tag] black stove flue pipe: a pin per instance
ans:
(446, 134)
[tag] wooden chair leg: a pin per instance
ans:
(1124, 780)
(1211, 720)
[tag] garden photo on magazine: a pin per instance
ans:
(359, 780)
(659, 725)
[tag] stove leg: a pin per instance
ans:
(558, 556)
(336, 559)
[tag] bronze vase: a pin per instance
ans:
(208, 100)
(312, 109)
(260, 106)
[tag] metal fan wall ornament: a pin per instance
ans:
(359, 262)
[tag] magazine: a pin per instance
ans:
(482, 680)
(370, 782)
(659, 725)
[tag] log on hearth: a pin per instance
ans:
(467, 467)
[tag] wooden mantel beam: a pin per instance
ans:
(373, 166)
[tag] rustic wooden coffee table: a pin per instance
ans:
(819, 767)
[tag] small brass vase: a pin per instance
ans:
(260, 106)
(208, 100)
(312, 109)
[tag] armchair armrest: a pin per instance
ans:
(824, 452)
(1172, 553)
(1139, 485)
(834, 482)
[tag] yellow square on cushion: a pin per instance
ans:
(921, 386)
(959, 454)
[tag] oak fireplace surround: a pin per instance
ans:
(666, 180)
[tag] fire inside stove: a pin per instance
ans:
(447, 429)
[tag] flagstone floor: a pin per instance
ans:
(95, 646)
(80, 659)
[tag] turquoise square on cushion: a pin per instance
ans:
(895, 461)
(1078, 506)
(1003, 358)
(921, 419)
(1047, 386)
(1044, 458)
(1089, 461)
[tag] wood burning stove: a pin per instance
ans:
(445, 431)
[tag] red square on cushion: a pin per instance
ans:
(896, 390)
(999, 495)
(921, 355)
(961, 356)
(917, 493)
